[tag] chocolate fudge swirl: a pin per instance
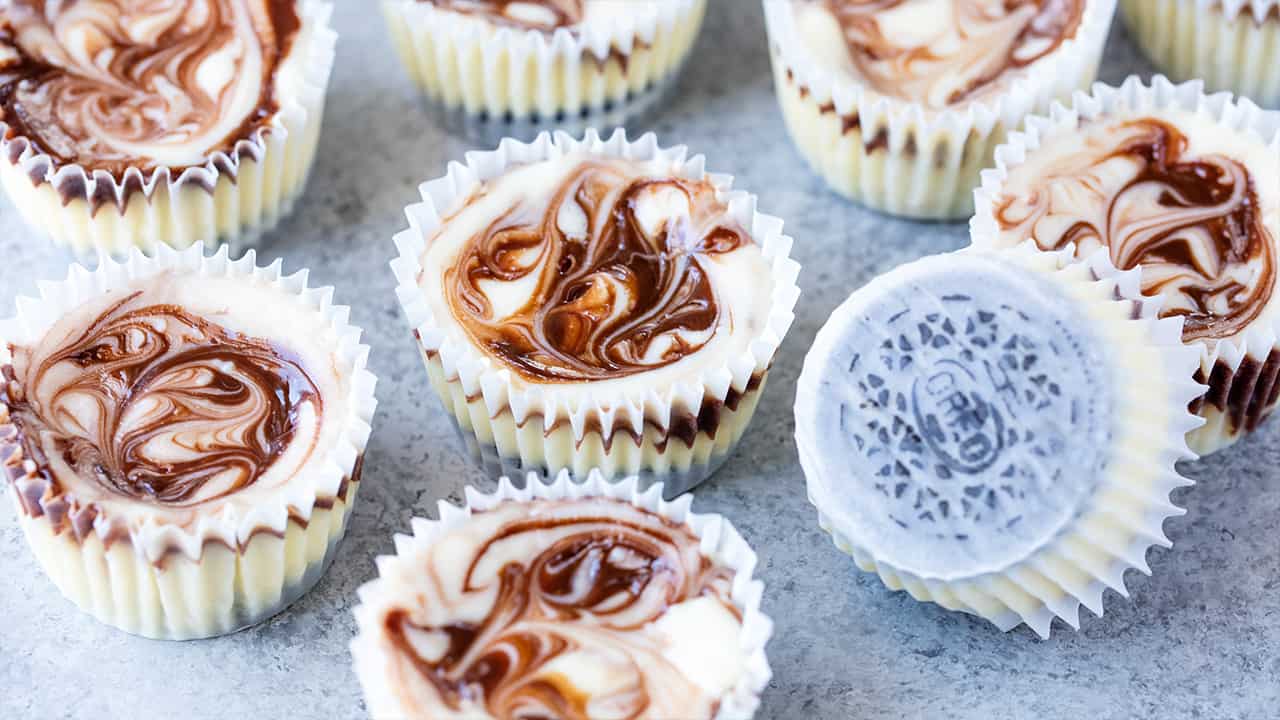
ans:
(156, 404)
(610, 301)
(564, 585)
(113, 84)
(1193, 224)
(962, 53)
(543, 15)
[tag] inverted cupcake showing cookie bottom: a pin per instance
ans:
(183, 439)
(596, 304)
(997, 432)
(1185, 186)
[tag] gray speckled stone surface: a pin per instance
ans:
(1199, 639)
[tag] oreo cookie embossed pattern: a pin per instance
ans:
(996, 432)
(968, 423)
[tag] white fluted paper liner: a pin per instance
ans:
(904, 158)
(1061, 541)
(1231, 45)
(603, 70)
(233, 567)
(525, 424)
(1221, 359)
(720, 542)
(233, 197)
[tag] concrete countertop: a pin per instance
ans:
(1201, 638)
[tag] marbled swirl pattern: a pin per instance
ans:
(945, 52)
(600, 281)
(156, 404)
(549, 611)
(114, 84)
(1192, 221)
(541, 15)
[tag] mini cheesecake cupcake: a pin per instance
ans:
(899, 104)
(183, 438)
(996, 431)
(1229, 44)
(129, 125)
(595, 304)
(564, 601)
(1185, 186)
(509, 67)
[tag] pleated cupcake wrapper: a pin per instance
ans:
(676, 479)
(907, 159)
(176, 557)
(1125, 517)
(479, 390)
(254, 185)
(1261, 340)
(462, 61)
(720, 542)
(484, 131)
(1232, 45)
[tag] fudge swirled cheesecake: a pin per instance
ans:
(550, 62)
(183, 439)
(1188, 189)
(172, 122)
(596, 304)
(564, 601)
(899, 103)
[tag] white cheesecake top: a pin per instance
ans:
(1193, 203)
(110, 84)
(169, 400)
(570, 609)
(592, 269)
(939, 53)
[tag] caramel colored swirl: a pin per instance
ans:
(1192, 223)
(944, 52)
(159, 405)
(543, 15)
(566, 630)
(604, 292)
(114, 84)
